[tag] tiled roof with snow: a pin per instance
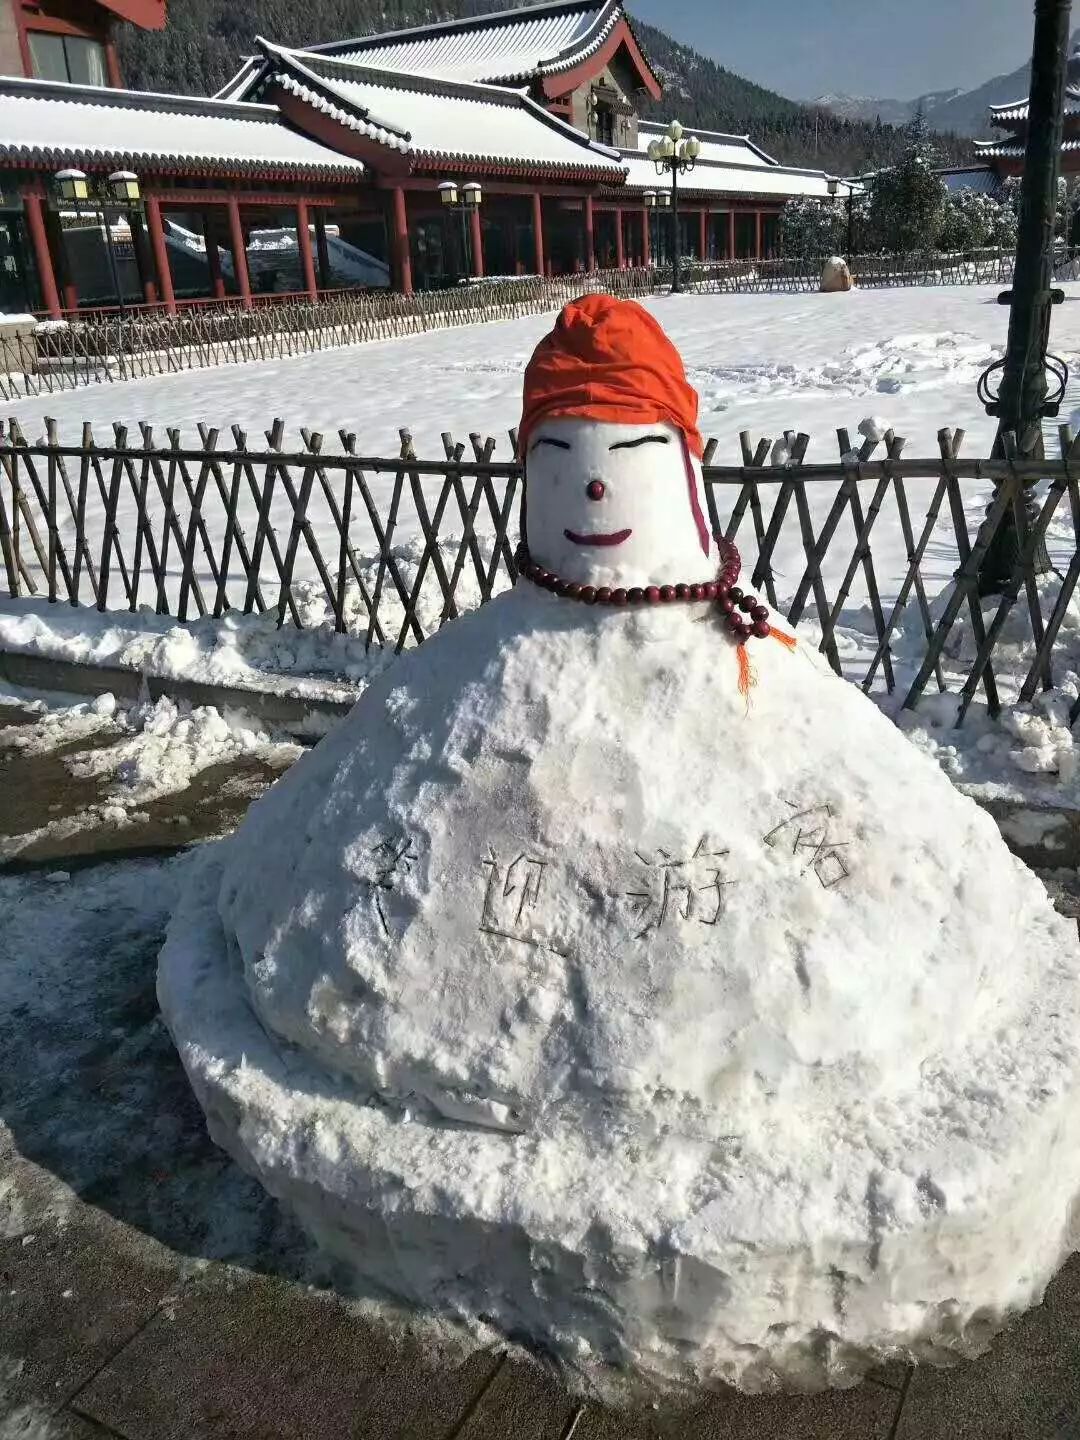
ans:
(442, 120)
(716, 147)
(505, 46)
(1013, 149)
(1018, 109)
(51, 123)
(707, 178)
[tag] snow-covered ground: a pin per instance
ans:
(762, 363)
(910, 358)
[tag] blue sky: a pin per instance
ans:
(804, 48)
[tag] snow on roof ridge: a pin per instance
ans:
(491, 20)
(248, 67)
(483, 91)
(108, 95)
(393, 139)
(384, 131)
(465, 90)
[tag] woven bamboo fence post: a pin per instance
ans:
(7, 538)
(53, 553)
(1024, 573)
(1040, 666)
(430, 530)
(300, 505)
(967, 578)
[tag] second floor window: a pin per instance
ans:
(67, 57)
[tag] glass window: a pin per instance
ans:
(47, 54)
(67, 57)
(85, 61)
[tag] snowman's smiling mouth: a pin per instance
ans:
(595, 538)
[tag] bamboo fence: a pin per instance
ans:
(305, 535)
(108, 347)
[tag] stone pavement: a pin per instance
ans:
(150, 1290)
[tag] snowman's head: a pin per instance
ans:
(616, 504)
(612, 452)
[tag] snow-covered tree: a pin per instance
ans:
(975, 220)
(812, 227)
(907, 200)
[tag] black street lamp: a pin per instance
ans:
(471, 197)
(673, 155)
(122, 187)
(1021, 400)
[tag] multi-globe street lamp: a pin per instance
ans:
(672, 155)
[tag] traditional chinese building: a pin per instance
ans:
(1006, 153)
(505, 144)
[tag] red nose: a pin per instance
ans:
(595, 489)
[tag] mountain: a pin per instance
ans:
(206, 40)
(962, 112)
(890, 112)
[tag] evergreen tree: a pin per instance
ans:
(907, 201)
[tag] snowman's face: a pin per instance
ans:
(614, 504)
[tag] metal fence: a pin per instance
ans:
(390, 548)
(102, 348)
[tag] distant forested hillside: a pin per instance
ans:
(205, 41)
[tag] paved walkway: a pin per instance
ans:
(151, 1290)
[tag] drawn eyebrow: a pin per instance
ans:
(550, 440)
(641, 440)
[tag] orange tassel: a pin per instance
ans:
(788, 640)
(746, 675)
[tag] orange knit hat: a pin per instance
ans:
(608, 360)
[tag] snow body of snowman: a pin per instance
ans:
(562, 987)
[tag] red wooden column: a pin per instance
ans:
(303, 237)
(757, 236)
(731, 234)
(161, 254)
(477, 238)
(239, 253)
(644, 235)
(620, 257)
(213, 256)
(35, 220)
(703, 234)
(538, 231)
(590, 248)
(400, 234)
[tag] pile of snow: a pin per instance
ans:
(251, 651)
(671, 1035)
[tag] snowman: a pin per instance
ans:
(617, 975)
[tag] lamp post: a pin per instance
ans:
(122, 186)
(834, 189)
(470, 200)
(1021, 400)
(671, 154)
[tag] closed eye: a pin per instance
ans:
(641, 440)
(549, 440)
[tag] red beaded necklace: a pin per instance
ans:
(724, 592)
